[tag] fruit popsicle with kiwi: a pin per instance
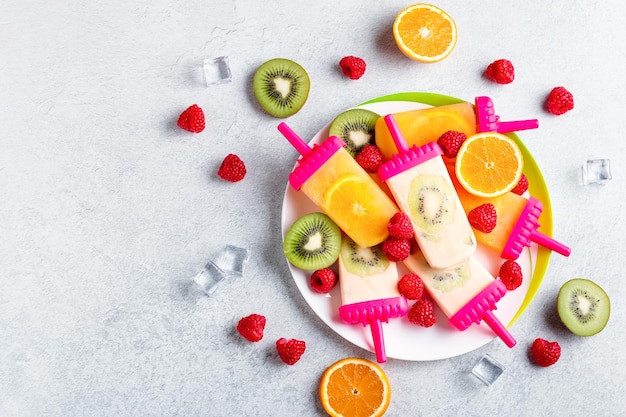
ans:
(337, 184)
(517, 221)
(467, 293)
(369, 290)
(421, 185)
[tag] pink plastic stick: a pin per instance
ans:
(396, 134)
(488, 121)
(506, 127)
(296, 141)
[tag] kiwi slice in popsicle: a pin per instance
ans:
(583, 306)
(356, 127)
(281, 86)
(363, 261)
(312, 242)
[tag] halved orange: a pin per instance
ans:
(364, 213)
(424, 32)
(489, 164)
(355, 387)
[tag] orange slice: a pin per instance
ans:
(425, 33)
(489, 164)
(355, 387)
(358, 202)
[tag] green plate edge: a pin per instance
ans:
(537, 187)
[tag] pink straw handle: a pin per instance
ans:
(546, 241)
(396, 134)
(506, 127)
(376, 327)
(296, 141)
(498, 328)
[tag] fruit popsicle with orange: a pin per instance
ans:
(467, 293)
(341, 188)
(422, 188)
(369, 290)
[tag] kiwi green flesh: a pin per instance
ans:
(362, 261)
(356, 127)
(431, 201)
(281, 87)
(312, 242)
(583, 306)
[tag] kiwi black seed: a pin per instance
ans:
(281, 86)
(362, 261)
(312, 242)
(355, 127)
(583, 306)
(431, 201)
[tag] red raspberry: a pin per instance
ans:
(450, 142)
(421, 313)
(232, 169)
(323, 280)
(483, 218)
(400, 226)
(290, 351)
(545, 353)
(396, 249)
(559, 101)
(411, 286)
(501, 71)
(522, 185)
(370, 158)
(251, 327)
(511, 275)
(192, 119)
(353, 67)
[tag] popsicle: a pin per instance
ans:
(337, 184)
(369, 290)
(466, 293)
(488, 121)
(516, 225)
(421, 185)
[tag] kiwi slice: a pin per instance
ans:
(355, 127)
(281, 86)
(312, 242)
(362, 261)
(583, 306)
(442, 279)
(431, 202)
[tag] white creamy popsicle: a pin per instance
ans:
(422, 188)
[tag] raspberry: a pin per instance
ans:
(353, 67)
(545, 353)
(323, 280)
(501, 71)
(450, 142)
(411, 286)
(232, 169)
(522, 185)
(511, 275)
(559, 101)
(396, 249)
(421, 313)
(370, 158)
(400, 226)
(192, 119)
(483, 218)
(251, 327)
(290, 351)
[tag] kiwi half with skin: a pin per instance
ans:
(362, 261)
(312, 242)
(281, 87)
(583, 306)
(356, 127)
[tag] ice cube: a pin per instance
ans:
(596, 171)
(209, 278)
(487, 369)
(232, 259)
(217, 71)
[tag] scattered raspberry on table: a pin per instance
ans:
(290, 351)
(353, 67)
(251, 327)
(192, 119)
(559, 101)
(232, 168)
(501, 71)
(545, 353)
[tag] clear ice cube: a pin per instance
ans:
(217, 71)
(209, 278)
(596, 171)
(232, 259)
(487, 369)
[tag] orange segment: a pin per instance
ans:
(424, 32)
(359, 203)
(355, 387)
(489, 164)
